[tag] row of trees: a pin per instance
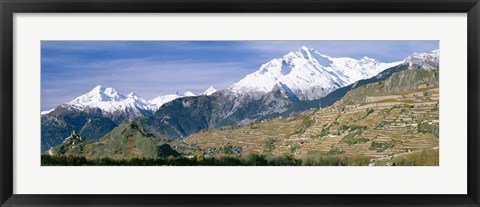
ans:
(248, 160)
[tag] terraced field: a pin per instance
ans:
(382, 126)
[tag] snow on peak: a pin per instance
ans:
(367, 60)
(309, 74)
(133, 98)
(108, 100)
(157, 102)
(209, 91)
(98, 88)
(424, 60)
(46, 112)
(305, 48)
(186, 93)
(112, 93)
(96, 95)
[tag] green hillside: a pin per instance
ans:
(126, 141)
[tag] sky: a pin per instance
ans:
(153, 68)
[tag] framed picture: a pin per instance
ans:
(233, 103)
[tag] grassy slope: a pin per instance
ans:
(124, 142)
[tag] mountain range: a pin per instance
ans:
(108, 100)
(308, 74)
(281, 86)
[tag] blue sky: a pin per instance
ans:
(154, 68)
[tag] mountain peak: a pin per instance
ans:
(186, 93)
(305, 52)
(157, 102)
(424, 60)
(305, 48)
(209, 91)
(309, 74)
(111, 92)
(108, 100)
(367, 60)
(98, 94)
(98, 88)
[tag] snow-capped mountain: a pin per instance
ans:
(108, 100)
(209, 91)
(157, 102)
(306, 74)
(46, 112)
(425, 60)
(309, 74)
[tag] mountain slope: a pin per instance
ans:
(338, 94)
(126, 141)
(184, 116)
(58, 124)
(380, 120)
(209, 91)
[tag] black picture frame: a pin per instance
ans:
(10, 7)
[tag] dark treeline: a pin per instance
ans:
(248, 160)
